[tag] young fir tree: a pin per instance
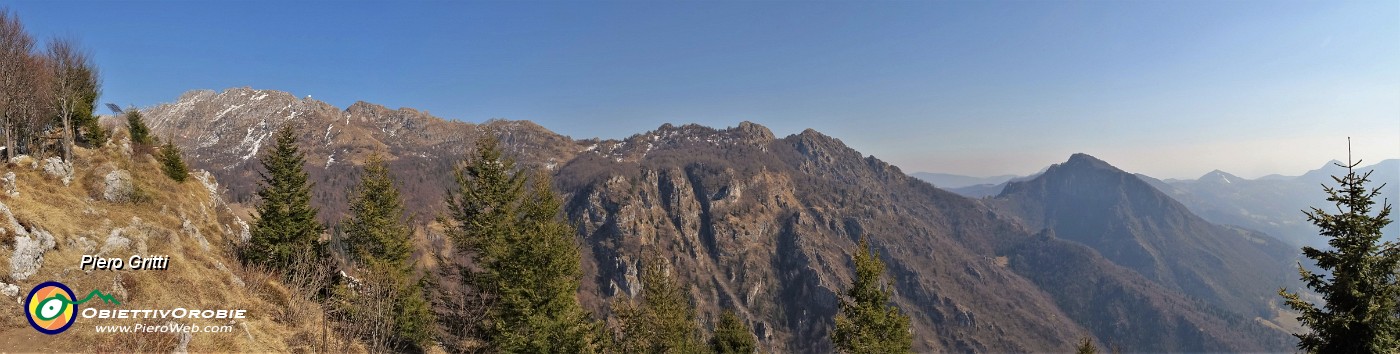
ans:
(732, 336)
(86, 127)
(140, 134)
(376, 230)
(285, 226)
(528, 261)
(867, 322)
(380, 242)
(1086, 346)
(664, 321)
(172, 164)
(1360, 313)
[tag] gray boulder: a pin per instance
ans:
(29, 253)
(117, 186)
(8, 185)
(57, 168)
(10, 290)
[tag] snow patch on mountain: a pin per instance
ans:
(253, 139)
(227, 110)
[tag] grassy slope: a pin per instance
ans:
(204, 272)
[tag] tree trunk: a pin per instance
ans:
(9, 138)
(67, 131)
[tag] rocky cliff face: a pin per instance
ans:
(766, 226)
(753, 222)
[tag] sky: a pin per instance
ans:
(1172, 89)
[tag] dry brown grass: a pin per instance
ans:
(281, 318)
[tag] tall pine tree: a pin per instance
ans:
(529, 265)
(867, 322)
(664, 321)
(732, 336)
(1360, 313)
(380, 242)
(285, 226)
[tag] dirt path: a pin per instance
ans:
(27, 340)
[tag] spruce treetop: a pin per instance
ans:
(1360, 313)
(732, 336)
(867, 321)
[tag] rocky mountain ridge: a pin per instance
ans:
(761, 224)
(225, 131)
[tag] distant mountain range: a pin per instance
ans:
(949, 181)
(1271, 204)
(765, 225)
(1274, 204)
(971, 187)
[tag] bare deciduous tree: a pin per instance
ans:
(74, 86)
(33, 111)
(366, 307)
(16, 47)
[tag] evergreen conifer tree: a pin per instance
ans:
(1086, 346)
(380, 242)
(87, 129)
(867, 322)
(140, 134)
(285, 226)
(1360, 312)
(664, 321)
(376, 230)
(732, 336)
(172, 164)
(528, 260)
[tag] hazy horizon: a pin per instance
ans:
(1171, 90)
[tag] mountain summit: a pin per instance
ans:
(763, 225)
(1130, 222)
(1218, 176)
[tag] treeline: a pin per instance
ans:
(47, 93)
(517, 291)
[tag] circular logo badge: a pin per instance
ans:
(50, 308)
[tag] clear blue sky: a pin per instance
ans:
(1169, 88)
